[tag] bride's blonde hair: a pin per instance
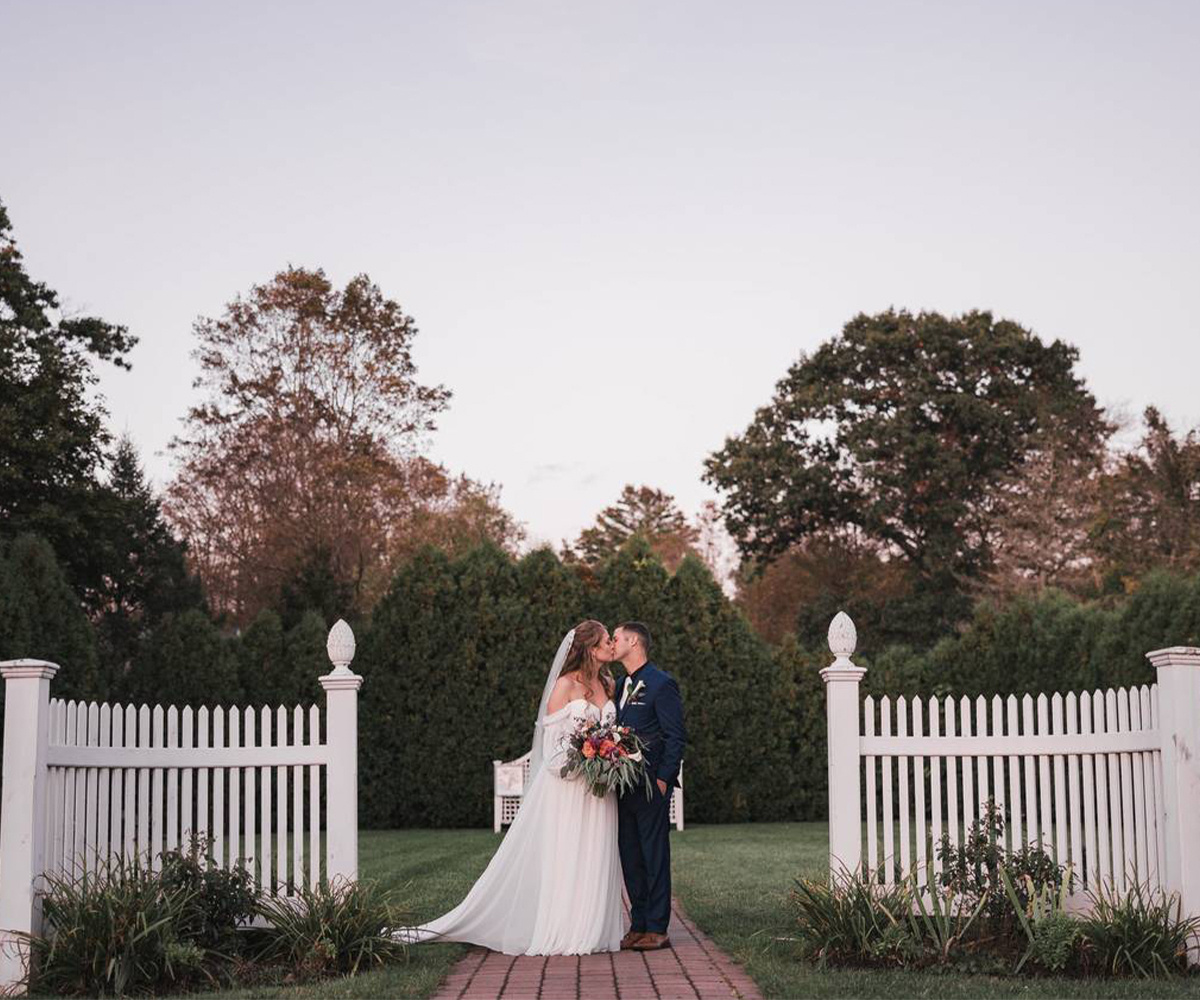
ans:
(581, 657)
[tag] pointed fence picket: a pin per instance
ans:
(1098, 780)
(91, 783)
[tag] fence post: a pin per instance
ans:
(341, 735)
(1178, 669)
(23, 808)
(842, 734)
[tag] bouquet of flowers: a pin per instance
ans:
(608, 757)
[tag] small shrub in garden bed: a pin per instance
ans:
(219, 899)
(115, 931)
(1041, 910)
(976, 870)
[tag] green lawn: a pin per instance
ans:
(733, 880)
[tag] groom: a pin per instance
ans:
(650, 704)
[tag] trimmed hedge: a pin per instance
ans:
(1048, 643)
(456, 654)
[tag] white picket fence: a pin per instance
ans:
(1051, 768)
(89, 783)
(1106, 782)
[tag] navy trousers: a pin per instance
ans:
(644, 841)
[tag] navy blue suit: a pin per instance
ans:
(655, 713)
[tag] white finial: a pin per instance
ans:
(843, 636)
(340, 647)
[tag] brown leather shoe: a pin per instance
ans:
(631, 939)
(652, 942)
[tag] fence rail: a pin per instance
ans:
(87, 783)
(1107, 782)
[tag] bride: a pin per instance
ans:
(553, 887)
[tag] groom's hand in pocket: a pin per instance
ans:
(662, 786)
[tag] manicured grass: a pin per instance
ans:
(733, 880)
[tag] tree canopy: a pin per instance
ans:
(307, 443)
(1148, 511)
(53, 438)
(641, 512)
(901, 429)
(145, 570)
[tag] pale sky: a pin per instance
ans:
(616, 224)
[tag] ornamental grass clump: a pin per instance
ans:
(943, 919)
(1141, 932)
(1053, 935)
(853, 921)
(344, 928)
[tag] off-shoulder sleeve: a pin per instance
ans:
(554, 745)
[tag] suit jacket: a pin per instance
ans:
(656, 714)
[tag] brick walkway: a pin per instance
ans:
(693, 967)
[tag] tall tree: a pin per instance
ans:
(185, 661)
(901, 428)
(307, 440)
(1151, 504)
(145, 573)
(281, 667)
(52, 435)
(641, 512)
(41, 618)
(1048, 513)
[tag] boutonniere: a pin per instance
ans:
(631, 693)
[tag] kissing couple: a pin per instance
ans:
(553, 887)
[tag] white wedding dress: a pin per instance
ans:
(553, 887)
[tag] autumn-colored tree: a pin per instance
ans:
(307, 440)
(798, 593)
(641, 512)
(1046, 516)
(1151, 505)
